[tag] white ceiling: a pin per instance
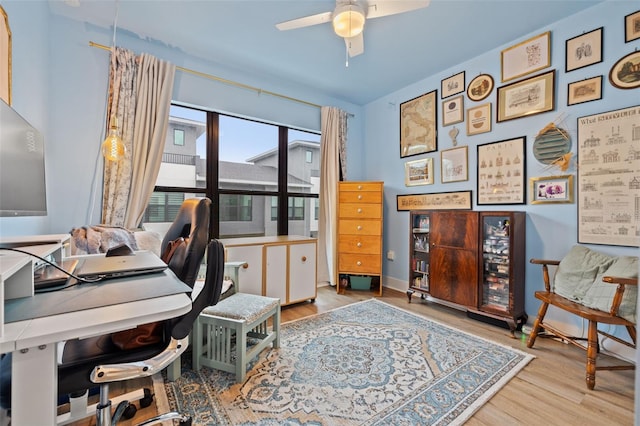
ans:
(399, 49)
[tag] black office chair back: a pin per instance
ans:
(191, 224)
(210, 293)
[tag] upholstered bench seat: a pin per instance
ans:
(221, 332)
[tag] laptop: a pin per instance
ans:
(138, 263)
(49, 276)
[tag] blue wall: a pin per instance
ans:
(60, 85)
(551, 229)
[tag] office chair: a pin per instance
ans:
(81, 356)
(188, 234)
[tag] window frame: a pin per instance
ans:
(212, 189)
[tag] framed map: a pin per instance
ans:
(609, 178)
(418, 125)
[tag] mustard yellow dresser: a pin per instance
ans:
(360, 233)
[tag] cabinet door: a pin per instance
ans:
(454, 257)
(276, 272)
(250, 278)
(454, 275)
(302, 272)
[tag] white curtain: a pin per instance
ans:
(140, 90)
(332, 166)
(154, 88)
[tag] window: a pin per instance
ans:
(262, 178)
(178, 137)
(235, 208)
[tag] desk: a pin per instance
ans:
(35, 350)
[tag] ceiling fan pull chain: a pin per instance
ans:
(346, 55)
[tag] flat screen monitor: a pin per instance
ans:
(22, 178)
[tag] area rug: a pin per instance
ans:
(368, 363)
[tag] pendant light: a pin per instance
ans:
(113, 149)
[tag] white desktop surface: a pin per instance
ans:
(34, 346)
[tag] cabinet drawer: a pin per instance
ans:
(359, 227)
(361, 186)
(360, 197)
(363, 244)
(367, 211)
(359, 263)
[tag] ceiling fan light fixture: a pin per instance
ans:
(348, 20)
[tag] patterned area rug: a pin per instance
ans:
(368, 363)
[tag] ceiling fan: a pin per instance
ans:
(349, 17)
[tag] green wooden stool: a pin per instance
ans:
(238, 317)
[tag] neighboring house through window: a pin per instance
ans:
(263, 178)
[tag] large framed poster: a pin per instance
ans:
(609, 178)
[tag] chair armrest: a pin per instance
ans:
(544, 262)
(235, 267)
(132, 370)
(617, 298)
(545, 270)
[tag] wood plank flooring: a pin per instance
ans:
(551, 390)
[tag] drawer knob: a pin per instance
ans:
(359, 244)
(359, 263)
(359, 228)
(359, 210)
(359, 186)
(304, 258)
(359, 197)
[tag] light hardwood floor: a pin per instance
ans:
(550, 390)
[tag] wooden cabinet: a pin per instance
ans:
(473, 260)
(502, 269)
(360, 231)
(282, 266)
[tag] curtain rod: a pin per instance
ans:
(225, 81)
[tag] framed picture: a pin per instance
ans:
(480, 87)
(453, 165)
(632, 26)
(418, 172)
(452, 85)
(460, 200)
(5, 57)
(586, 90)
(551, 189)
(418, 125)
(453, 110)
(623, 74)
(534, 95)
(479, 119)
(584, 50)
(607, 180)
(526, 57)
(501, 172)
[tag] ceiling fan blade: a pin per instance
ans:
(381, 8)
(355, 45)
(306, 21)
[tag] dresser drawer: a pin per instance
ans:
(366, 211)
(360, 197)
(359, 263)
(361, 186)
(359, 227)
(362, 244)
